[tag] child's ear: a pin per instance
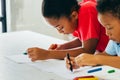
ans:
(74, 15)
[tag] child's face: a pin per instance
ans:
(112, 26)
(63, 25)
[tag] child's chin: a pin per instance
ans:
(117, 42)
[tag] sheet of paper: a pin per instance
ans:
(20, 58)
(58, 67)
(50, 65)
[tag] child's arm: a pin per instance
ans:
(88, 59)
(93, 60)
(88, 46)
(68, 45)
(72, 44)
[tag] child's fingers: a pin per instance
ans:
(74, 66)
(67, 63)
(29, 50)
(52, 47)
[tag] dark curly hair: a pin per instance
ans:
(58, 8)
(109, 6)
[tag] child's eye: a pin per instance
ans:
(108, 28)
(59, 28)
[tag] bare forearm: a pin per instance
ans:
(113, 61)
(60, 54)
(72, 44)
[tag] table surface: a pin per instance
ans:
(13, 43)
(16, 43)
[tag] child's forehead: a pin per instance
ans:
(111, 14)
(110, 22)
(105, 18)
(51, 21)
(106, 15)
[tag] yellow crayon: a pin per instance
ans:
(94, 78)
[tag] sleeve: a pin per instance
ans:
(75, 34)
(88, 23)
(110, 49)
(89, 0)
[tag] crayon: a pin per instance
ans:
(111, 71)
(68, 57)
(90, 77)
(94, 70)
(25, 53)
(76, 78)
(95, 78)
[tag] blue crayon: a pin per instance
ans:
(94, 70)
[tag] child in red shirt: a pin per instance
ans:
(67, 16)
(89, 27)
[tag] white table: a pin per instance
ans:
(16, 43)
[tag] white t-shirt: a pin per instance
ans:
(113, 48)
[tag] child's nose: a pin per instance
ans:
(108, 33)
(60, 31)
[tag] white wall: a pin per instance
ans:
(26, 15)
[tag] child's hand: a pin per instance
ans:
(56, 47)
(86, 60)
(37, 53)
(82, 60)
(72, 60)
(52, 47)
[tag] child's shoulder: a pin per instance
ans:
(87, 4)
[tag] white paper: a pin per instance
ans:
(20, 58)
(58, 67)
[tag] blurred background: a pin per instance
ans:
(18, 15)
